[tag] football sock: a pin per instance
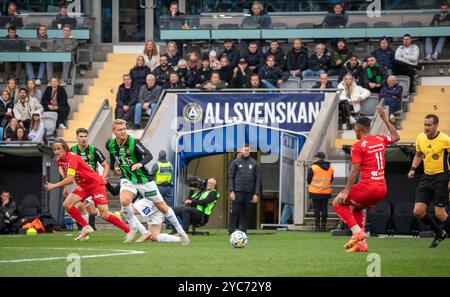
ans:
(76, 215)
(359, 218)
(118, 223)
(86, 217)
(347, 217)
(172, 218)
(163, 237)
(429, 221)
(132, 219)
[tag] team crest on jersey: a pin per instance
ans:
(435, 157)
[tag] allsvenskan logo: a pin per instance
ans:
(193, 112)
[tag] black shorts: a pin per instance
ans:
(433, 189)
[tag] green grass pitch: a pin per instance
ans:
(279, 254)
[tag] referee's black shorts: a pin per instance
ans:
(433, 189)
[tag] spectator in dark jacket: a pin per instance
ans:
(226, 71)
(272, 75)
(204, 73)
(297, 59)
(15, 18)
(139, 72)
(392, 94)
(258, 17)
(340, 55)
(126, 99)
(241, 75)
(276, 51)
(8, 214)
(231, 52)
(55, 99)
(354, 67)
(174, 82)
(162, 71)
(148, 99)
(244, 187)
(184, 74)
(254, 57)
(214, 84)
(375, 76)
(385, 55)
(442, 18)
(6, 109)
(323, 82)
(12, 45)
(336, 18)
(173, 54)
(175, 21)
(318, 62)
(255, 82)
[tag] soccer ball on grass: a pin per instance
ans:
(238, 239)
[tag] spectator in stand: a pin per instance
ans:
(323, 82)
(214, 84)
(193, 66)
(55, 99)
(63, 18)
(126, 99)
(231, 52)
(139, 72)
(66, 44)
(213, 61)
(375, 76)
(341, 54)
(204, 73)
(407, 61)
(40, 44)
(151, 55)
(176, 21)
(392, 94)
(8, 213)
(162, 71)
(297, 59)
(241, 75)
(148, 99)
(36, 128)
(6, 108)
(271, 75)
(20, 135)
(226, 71)
(173, 54)
(174, 82)
(24, 107)
(183, 72)
(254, 57)
(276, 51)
(439, 19)
(258, 17)
(385, 55)
(354, 67)
(350, 100)
(33, 91)
(255, 82)
(12, 45)
(12, 88)
(337, 18)
(14, 14)
(318, 63)
(10, 129)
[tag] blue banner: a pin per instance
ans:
(294, 112)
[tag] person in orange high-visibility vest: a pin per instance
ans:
(320, 178)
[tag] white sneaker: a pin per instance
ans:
(392, 119)
(61, 126)
(38, 82)
(84, 234)
(434, 56)
(428, 57)
(352, 120)
(184, 239)
(129, 238)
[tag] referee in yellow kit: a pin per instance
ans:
(433, 147)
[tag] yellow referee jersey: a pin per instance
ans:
(436, 152)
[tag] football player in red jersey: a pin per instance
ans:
(367, 159)
(89, 183)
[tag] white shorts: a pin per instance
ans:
(148, 190)
(148, 210)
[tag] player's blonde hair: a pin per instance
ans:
(118, 122)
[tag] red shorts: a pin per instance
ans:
(98, 194)
(366, 196)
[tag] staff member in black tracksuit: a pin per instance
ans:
(244, 188)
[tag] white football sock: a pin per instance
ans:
(172, 218)
(164, 237)
(356, 229)
(133, 220)
(86, 217)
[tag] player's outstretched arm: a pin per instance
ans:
(69, 179)
(352, 177)
(391, 128)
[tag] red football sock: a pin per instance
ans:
(76, 215)
(118, 223)
(359, 218)
(345, 214)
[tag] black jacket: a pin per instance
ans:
(61, 96)
(126, 96)
(280, 57)
(202, 75)
(296, 60)
(395, 92)
(357, 72)
(322, 164)
(4, 108)
(244, 176)
(241, 80)
(139, 75)
(385, 57)
(178, 85)
(376, 74)
(437, 19)
(256, 59)
(323, 63)
(9, 212)
(162, 75)
(272, 74)
(329, 85)
(233, 55)
(226, 74)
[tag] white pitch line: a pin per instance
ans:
(117, 253)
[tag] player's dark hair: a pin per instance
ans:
(434, 117)
(63, 143)
(81, 130)
(364, 122)
(5, 191)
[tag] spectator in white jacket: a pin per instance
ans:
(407, 60)
(36, 128)
(350, 100)
(151, 55)
(24, 107)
